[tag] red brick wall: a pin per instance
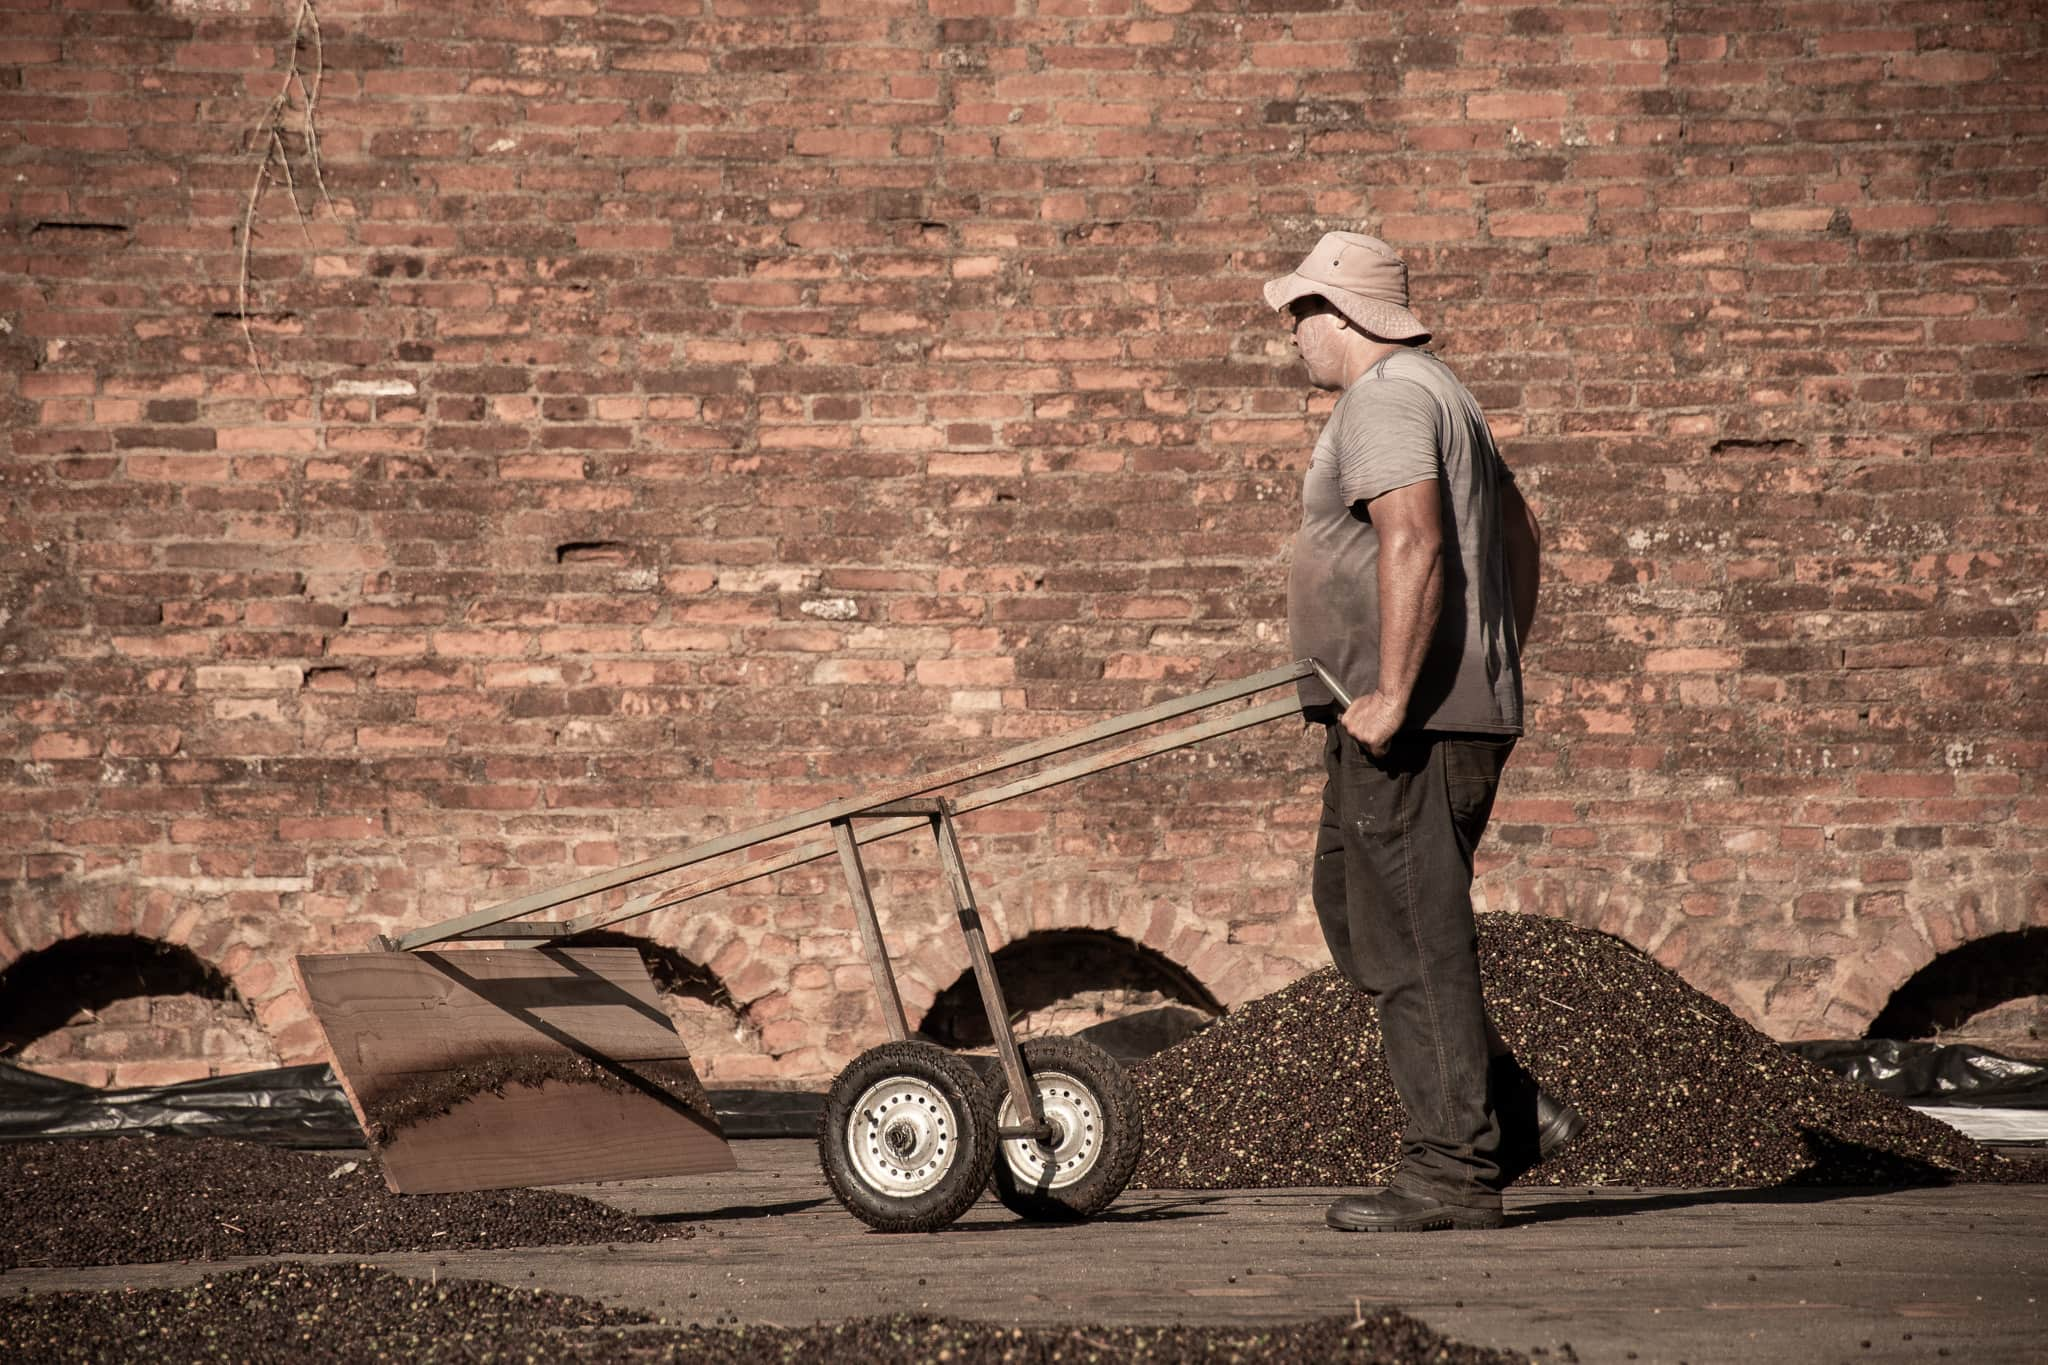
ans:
(675, 415)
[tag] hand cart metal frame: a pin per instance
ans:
(863, 819)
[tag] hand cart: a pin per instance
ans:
(574, 1074)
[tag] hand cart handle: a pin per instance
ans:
(1329, 680)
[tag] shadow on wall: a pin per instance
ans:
(122, 1009)
(1992, 992)
(713, 1026)
(1133, 999)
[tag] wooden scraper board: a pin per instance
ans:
(429, 1022)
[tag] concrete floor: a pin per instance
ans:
(1618, 1274)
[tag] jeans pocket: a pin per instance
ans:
(1472, 769)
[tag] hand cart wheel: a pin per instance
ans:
(907, 1137)
(1098, 1133)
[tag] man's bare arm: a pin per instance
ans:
(1523, 542)
(1411, 582)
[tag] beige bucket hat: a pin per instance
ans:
(1362, 278)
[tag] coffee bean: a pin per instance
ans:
(1291, 1089)
(125, 1200)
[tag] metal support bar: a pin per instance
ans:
(531, 928)
(670, 897)
(918, 807)
(1023, 1094)
(760, 834)
(870, 930)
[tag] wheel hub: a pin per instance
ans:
(1074, 1114)
(903, 1136)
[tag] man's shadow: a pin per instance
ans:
(1836, 1169)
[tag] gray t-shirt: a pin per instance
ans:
(1406, 420)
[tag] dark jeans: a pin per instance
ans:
(1393, 889)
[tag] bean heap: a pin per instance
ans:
(346, 1314)
(127, 1200)
(1292, 1090)
(413, 1098)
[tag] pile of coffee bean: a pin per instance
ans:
(345, 1314)
(303, 1312)
(128, 1200)
(1292, 1089)
(416, 1097)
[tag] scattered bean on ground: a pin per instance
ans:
(130, 1200)
(346, 1314)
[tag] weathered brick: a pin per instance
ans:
(599, 394)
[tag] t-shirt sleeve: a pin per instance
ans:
(1385, 438)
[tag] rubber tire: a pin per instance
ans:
(975, 1140)
(1123, 1133)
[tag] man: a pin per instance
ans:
(1414, 582)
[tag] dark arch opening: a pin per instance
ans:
(710, 1022)
(1962, 987)
(43, 991)
(673, 973)
(1141, 999)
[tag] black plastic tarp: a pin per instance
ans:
(768, 1113)
(1934, 1073)
(296, 1106)
(292, 1106)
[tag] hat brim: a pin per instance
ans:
(1387, 321)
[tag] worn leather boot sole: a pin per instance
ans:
(1557, 1124)
(1396, 1212)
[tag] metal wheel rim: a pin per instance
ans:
(1075, 1111)
(903, 1136)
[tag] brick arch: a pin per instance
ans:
(1874, 967)
(1964, 981)
(102, 975)
(1064, 960)
(718, 1029)
(673, 971)
(253, 952)
(724, 938)
(1826, 977)
(43, 987)
(1168, 926)
(792, 957)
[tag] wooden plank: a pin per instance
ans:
(490, 1068)
(400, 1012)
(555, 1134)
(853, 805)
(341, 1073)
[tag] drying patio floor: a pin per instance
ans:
(1618, 1274)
